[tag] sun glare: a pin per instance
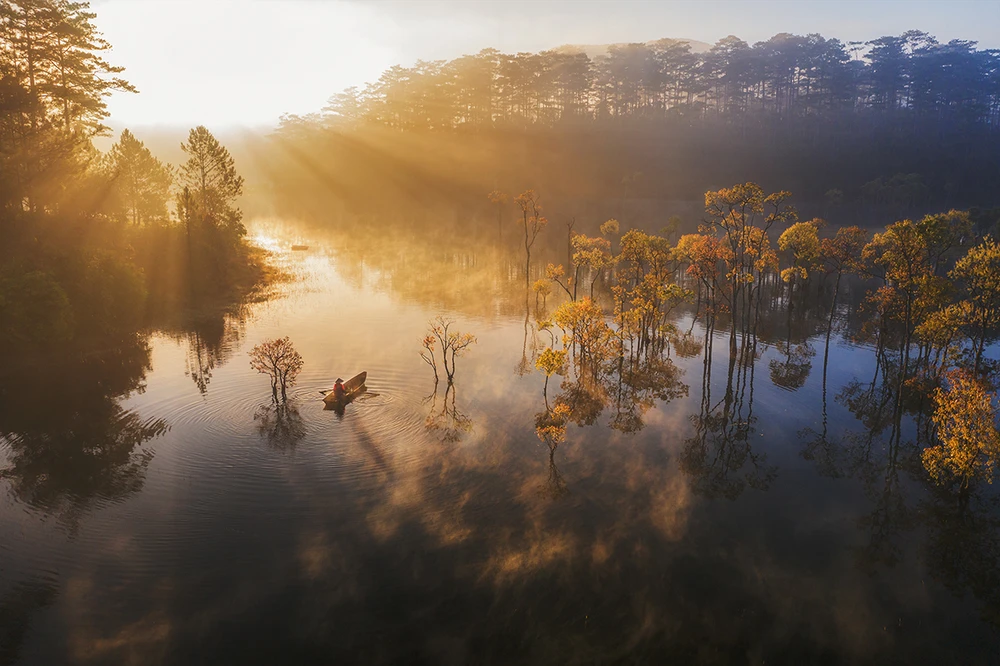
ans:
(239, 63)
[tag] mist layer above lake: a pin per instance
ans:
(165, 511)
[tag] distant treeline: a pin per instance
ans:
(788, 76)
(903, 122)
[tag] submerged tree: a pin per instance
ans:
(899, 256)
(533, 222)
(550, 361)
(542, 290)
(280, 361)
(979, 273)
(801, 240)
(451, 343)
(741, 216)
(842, 255)
(969, 448)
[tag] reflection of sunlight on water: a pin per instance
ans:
(269, 243)
(357, 501)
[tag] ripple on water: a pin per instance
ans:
(229, 452)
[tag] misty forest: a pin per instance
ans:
(644, 352)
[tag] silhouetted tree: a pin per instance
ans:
(140, 182)
(278, 360)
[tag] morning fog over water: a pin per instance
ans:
(579, 332)
(161, 508)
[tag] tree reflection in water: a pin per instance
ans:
(963, 547)
(448, 423)
(280, 423)
(211, 340)
(818, 446)
(720, 457)
(550, 427)
(792, 372)
(70, 449)
(687, 345)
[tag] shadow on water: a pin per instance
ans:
(16, 608)
(69, 443)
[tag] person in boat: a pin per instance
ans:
(338, 389)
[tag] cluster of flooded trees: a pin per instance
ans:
(931, 308)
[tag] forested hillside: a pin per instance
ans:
(902, 122)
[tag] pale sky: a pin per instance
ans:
(245, 62)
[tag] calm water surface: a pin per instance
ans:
(162, 511)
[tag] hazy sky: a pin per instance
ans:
(229, 62)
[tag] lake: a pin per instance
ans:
(157, 508)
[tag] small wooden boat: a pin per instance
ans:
(353, 387)
(299, 248)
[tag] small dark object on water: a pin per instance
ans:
(352, 388)
(299, 248)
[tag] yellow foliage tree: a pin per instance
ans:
(550, 362)
(969, 448)
(584, 327)
(802, 241)
(979, 273)
(451, 342)
(279, 360)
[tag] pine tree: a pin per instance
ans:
(53, 86)
(210, 176)
(140, 182)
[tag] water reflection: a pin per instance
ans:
(280, 423)
(211, 339)
(69, 442)
(17, 605)
(792, 371)
(633, 533)
(448, 423)
(720, 456)
(963, 549)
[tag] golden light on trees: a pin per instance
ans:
(802, 241)
(140, 183)
(969, 448)
(979, 272)
(551, 361)
(279, 360)
(450, 343)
